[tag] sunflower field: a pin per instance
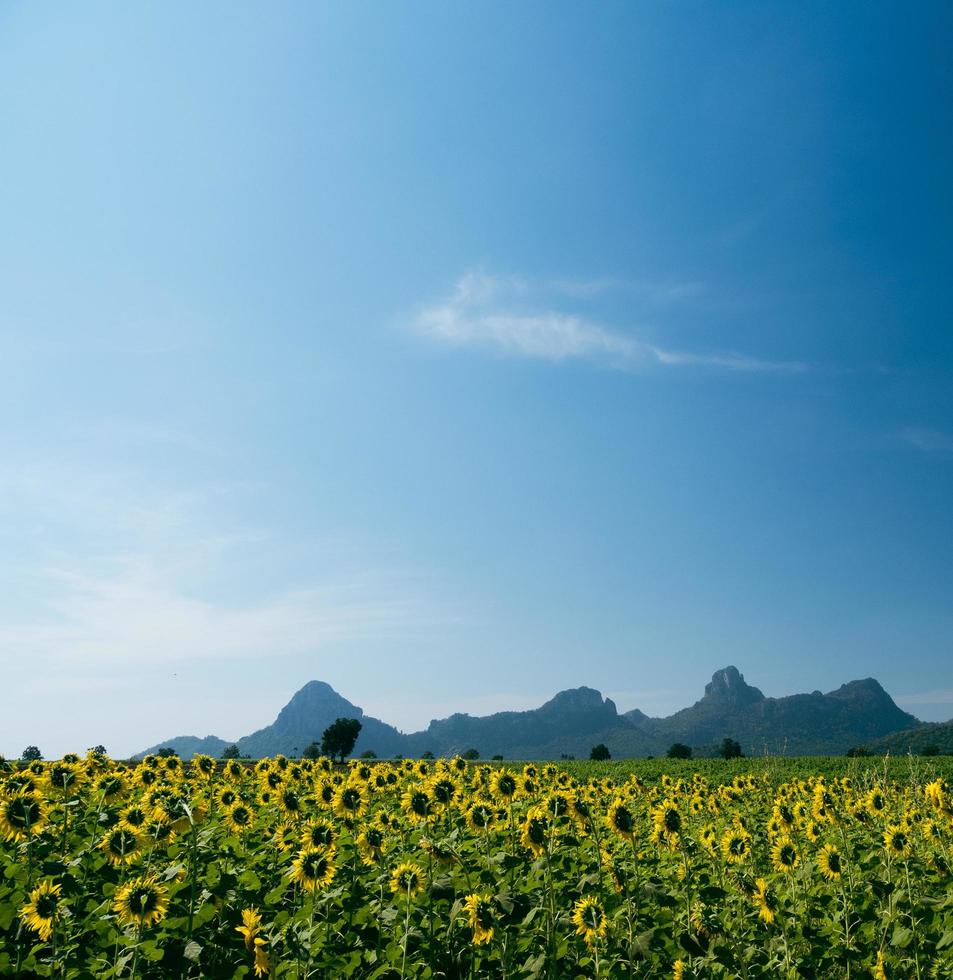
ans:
(291, 868)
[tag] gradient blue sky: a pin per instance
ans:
(455, 355)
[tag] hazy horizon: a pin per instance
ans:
(458, 355)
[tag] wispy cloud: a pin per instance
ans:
(134, 613)
(511, 317)
(929, 441)
(944, 696)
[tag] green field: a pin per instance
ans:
(754, 868)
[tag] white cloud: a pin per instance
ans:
(929, 441)
(511, 317)
(926, 697)
(135, 614)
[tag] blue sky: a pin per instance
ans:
(455, 355)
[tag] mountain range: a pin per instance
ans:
(857, 713)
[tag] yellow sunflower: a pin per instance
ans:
(250, 927)
(371, 845)
(238, 818)
(897, 841)
(829, 862)
(350, 800)
(765, 900)
(589, 919)
(120, 845)
(784, 855)
(142, 901)
(22, 815)
(620, 819)
(735, 845)
(314, 868)
(534, 831)
(481, 917)
(40, 913)
(407, 879)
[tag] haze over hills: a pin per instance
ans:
(857, 713)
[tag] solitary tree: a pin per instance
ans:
(858, 752)
(312, 751)
(679, 750)
(729, 749)
(230, 752)
(599, 753)
(339, 738)
(368, 754)
(31, 754)
(166, 752)
(471, 754)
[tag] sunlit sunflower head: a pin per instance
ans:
(481, 916)
(350, 800)
(318, 832)
(238, 817)
(289, 801)
(287, 836)
(666, 817)
(250, 927)
(589, 918)
(534, 831)
(233, 770)
(443, 790)
(314, 868)
(371, 845)
(133, 817)
(41, 911)
(829, 862)
(142, 901)
(22, 815)
(262, 962)
(63, 776)
(120, 845)
(407, 879)
(417, 803)
(480, 817)
(109, 785)
(503, 785)
(620, 819)
(146, 776)
(765, 900)
(876, 802)
(735, 845)
(897, 841)
(784, 855)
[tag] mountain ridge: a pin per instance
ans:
(573, 720)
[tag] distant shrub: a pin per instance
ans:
(599, 753)
(679, 750)
(729, 749)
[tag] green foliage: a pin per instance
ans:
(729, 749)
(663, 899)
(230, 752)
(31, 754)
(471, 754)
(599, 753)
(679, 750)
(340, 737)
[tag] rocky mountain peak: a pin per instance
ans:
(315, 700)
(579, 700)
(728, 685)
